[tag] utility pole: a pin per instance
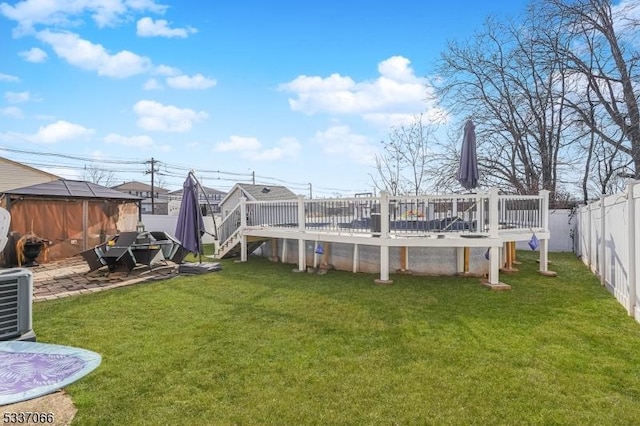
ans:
(310, 191)
(152, 171)
(253, 177)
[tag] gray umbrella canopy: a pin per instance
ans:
(468, 172)
(190, 227)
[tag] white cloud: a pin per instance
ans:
(238, 143)
(64, 173)
(197, 81)
(141, 141)
(166, 70)
(13, 112)
(28, 13)
(58, 132)
(339, 141)
(250, 148)
(152, 84)
(154, 116)
(8, 77)
(286, 148)
(147, 27)
(397, 91)
(17, 97)
(94, 57)
(397, 68)
(435, 115)
(35, 55)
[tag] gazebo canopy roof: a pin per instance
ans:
(64, 188)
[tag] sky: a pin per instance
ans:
(293, 92)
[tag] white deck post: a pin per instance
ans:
(384, 238)
(355, 258)
(460, 260)
(494, 252)
(302, 258)
(243, 225)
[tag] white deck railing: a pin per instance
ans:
(396, 216)
(493, 217)
(229, 225)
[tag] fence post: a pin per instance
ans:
(590, 239)
(243, 225)
(384, 239)
(302, 258)
(631, 233)
(544, 223)
(602, 247)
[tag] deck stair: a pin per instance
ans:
(231, 247)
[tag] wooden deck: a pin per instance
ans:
(449, 221)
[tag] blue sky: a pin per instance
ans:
(299, 92)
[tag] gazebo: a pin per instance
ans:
(72, 215)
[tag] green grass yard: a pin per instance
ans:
(258, 344)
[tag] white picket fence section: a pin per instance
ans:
(608, 243)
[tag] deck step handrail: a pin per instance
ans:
(229, 226)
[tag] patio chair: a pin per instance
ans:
(118, 252)
(169, 244)
(93, 257)
(117, 257)
(124, 239)
(180, 254)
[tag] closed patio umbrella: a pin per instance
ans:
(468, 171)
(190, 226)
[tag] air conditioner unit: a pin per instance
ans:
(16, 297)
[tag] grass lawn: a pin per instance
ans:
(258, 344)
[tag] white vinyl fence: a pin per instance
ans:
(168, 224)
(561, 228)
(608, 243)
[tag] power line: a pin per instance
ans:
(164, 169)
(74, 157)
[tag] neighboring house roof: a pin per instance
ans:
(15, 175)
(208, 191)
(138, 186)
(261, 192)
(267, 192)
(64, 188)
(29, 168)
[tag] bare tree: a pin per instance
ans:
(98, 176)
(604, 60)
(388, 172)
(513, 90)
(402, 167)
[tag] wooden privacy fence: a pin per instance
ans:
(608, 241)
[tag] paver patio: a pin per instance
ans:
(69, 277)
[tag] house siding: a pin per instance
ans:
(15, 175)
(230, 202)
